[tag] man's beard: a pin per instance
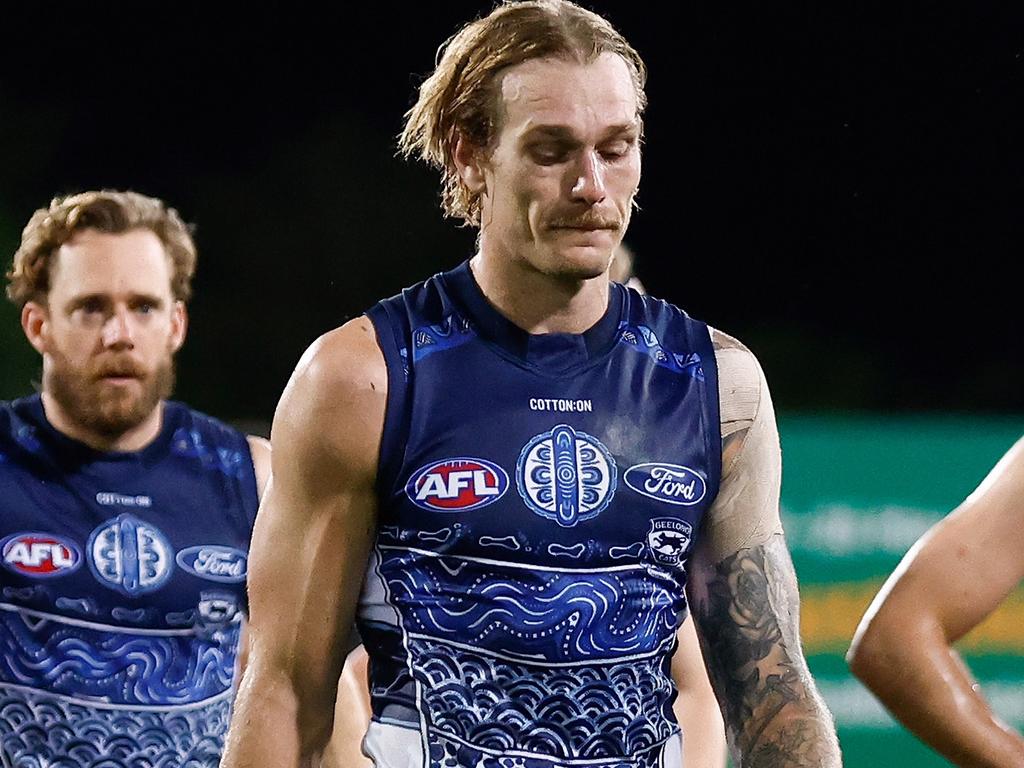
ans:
(101, 408)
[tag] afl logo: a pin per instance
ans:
(566, 476)
(214, 563)
(40, 555)
(129, 555)
(671, 483)
(457, 485)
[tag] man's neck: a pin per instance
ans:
(540, 303)
(134, 439)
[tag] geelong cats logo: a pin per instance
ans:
(669, 539)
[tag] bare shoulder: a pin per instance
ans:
(741, 383)
(259, 449)
(333, 406)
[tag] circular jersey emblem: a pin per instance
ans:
(129, 555)
(566, 476)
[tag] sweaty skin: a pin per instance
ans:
(954, 577)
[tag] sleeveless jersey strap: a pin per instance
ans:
(391, 326)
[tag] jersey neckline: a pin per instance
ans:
(31, 410)
(556, 353)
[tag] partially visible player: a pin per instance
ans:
(949, 581)
(351, 715)
(125, 518)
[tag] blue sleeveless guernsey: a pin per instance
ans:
(123, 585)
(539, 497)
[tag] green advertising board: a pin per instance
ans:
(857, 493)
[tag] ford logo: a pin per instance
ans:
(671, 483)
(214, 562)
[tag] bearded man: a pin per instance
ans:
(125, 518)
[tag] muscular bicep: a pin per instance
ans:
(316, 522)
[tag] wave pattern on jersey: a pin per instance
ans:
(553, 615)
(37, 731)
(558, 672)
(115, 667)
(481, 705)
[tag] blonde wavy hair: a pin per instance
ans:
(460, 97)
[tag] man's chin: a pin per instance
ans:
(583, 262)
(117, 413)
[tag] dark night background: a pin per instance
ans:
(839, 188)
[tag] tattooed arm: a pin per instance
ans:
(744, 595)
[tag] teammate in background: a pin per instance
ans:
(532, 467)
(946, 585)
(125, 519)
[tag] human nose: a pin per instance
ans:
(589, 185)
(117, 331)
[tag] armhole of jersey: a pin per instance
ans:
(390, 339)
(713, 433)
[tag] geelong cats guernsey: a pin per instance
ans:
(123, 587)
(539, 498)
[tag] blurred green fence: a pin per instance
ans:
(857, 492)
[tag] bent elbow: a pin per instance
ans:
(870, 657)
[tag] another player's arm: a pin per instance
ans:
(744, 598)
(696, 707)
(351, 715)
(947, 584)
(259, 449)
(310, 548)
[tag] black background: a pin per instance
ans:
(841, 188)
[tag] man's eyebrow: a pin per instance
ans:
(148, 298)
(102, 298)
(563, 133)
(87, 298)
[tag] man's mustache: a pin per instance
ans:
(120, 368)
(587, 220)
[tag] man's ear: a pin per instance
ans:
(179, 325)
(470, 159)
(35, 322)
